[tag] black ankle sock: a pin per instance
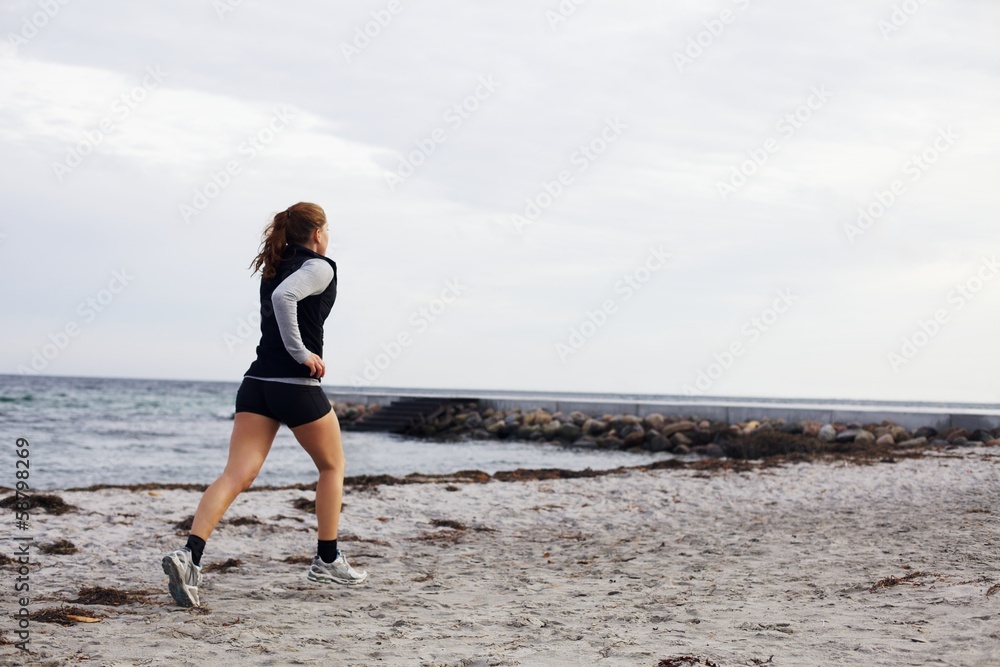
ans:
(327, 550)
(197, 547)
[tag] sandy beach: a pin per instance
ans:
(823, 563)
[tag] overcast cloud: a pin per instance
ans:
(516, 240)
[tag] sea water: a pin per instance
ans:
(85, 431)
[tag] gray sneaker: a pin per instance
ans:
(339, 572)
(184, 577)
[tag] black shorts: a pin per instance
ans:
(291, 404)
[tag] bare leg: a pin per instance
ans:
(248, 447)
(321, 440)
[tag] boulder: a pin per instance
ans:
(954, 434)
(611, 442)
(629, 429)
(864, 436)
(569, 432)
(885, 440)
(848, 435)
(914, 442)
(828, 433)
(680, 439)
(594, 427)
(654, 421)
(551, 429)
(525, 431)
(473, 420)
(714, 450)
(677, 427)
(635, 439)
(657, 443)
(542, 417)
(981, 434)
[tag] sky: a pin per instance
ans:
(728, 198)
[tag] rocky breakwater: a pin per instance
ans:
(687, 434)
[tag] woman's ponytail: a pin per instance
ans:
(293, 225)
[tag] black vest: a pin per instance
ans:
(273, 359)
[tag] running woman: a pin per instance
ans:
(282, 386)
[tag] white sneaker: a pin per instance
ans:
(184, 577)
(339, 572)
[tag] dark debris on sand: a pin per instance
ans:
(47, 502)
(686, 661)
(299, 560)
(245, 521)
(184, 525)
(224, 566)
(59, 548)
(346, 537)
(64, 615)
(891, 581)
(305, 505)
(111, 596)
